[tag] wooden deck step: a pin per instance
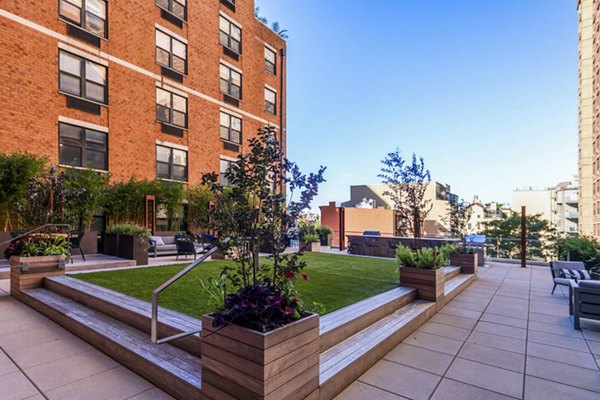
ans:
(129, 310)
(173, 370)
(345, 322)
(345, 362)
(456, 285)
(451, 272)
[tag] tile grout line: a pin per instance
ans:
(461, 347)
(24, 374)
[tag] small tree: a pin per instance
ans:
(459, 214)
(254, 213)
(198, 200)
(84, 191)
(407, 185)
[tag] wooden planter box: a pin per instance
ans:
(428, 282)
(314, 247)
(467, 262)
(126, 246)
(29, 272)
(241, 363)
(4, 236)
(325, 240)
(89, 242)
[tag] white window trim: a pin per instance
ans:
(273, 49)
(231, 112)
(171, 89)
(170, 33)
(83, 54)
(82, 124)
(233, 67)
(271, 88)
(228, 18)
(172, 145)
(226, 158)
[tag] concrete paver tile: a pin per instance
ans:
(420, 358)
(497, 341)
(16, 386)
(402, 380)
(361, 391)
(558, 372)
(487, 377)
(449, 389)
(495, 357)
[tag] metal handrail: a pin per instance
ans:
(34, 230)
(157, 291)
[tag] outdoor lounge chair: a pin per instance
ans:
(75, 238)
(557, 275)
(584, 300)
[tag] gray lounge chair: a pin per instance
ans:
(584, 300)
(557, 277)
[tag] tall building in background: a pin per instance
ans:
(166, 89)
(588, 74)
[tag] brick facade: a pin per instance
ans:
(31, 34)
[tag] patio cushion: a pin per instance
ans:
(168, 247)
(590, 284)
(157, 240)
(562, 281)
(575, 274)
(168, 239)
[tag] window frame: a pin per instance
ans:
(267, 62)
(222, 180)
(268, 102)
(83, 17)
(171, 163)
(230, 81)
(83, 147)
(170, 9)
(83, 79)
(230, 128)
(171, 109)
(170, 52)
(229, 37)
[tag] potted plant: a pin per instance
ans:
(324, 233)
(422, 270)
(311, 242)
(466, 258)
(127, 241)
(32, 255)
(260, 342)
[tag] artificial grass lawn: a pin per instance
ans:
(335, 282)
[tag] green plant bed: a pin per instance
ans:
(335, 281)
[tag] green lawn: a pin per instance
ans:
(335, 281)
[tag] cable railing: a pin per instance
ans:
(510, 248)
(157, 291)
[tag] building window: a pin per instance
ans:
(82, 147)
(270, 61)
(175, 7)
(231, 128)
(270, 98)
(87, 14)
(171, 163)
(230, 35)
(171, 53)
(171, 108)
(231, 82)
(224, 166)
(82, 78)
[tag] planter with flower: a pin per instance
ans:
(308, 235)
(324, 233)
(466, 258)
(35, 256)
(260, 343)
(127, 241)
(422, 270)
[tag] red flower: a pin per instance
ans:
(296, 299)
(288, 310)
(305, 277)
(289, 274)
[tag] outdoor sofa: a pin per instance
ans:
(584, 300)
(565, 271)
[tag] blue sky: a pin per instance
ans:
(485, 91)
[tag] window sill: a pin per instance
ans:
(101, 171)
(172, 126)
(82, 28)
(83, 98)
(230, 142)
(171, 180)
(231, 97)
(184, 74)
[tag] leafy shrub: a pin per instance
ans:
(405, 257)
(323, 230)
(448, 250)
(425, 258)
(580, 249)
(261, 307)
(310, 238)
(129, 229)
(38, 245)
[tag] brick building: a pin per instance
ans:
(165, 89)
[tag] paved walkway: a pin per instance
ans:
(504, 337)
(41, 360)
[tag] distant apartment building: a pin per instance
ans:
(166, 89)
(589, 128)
(482, 213)
(559, 205)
